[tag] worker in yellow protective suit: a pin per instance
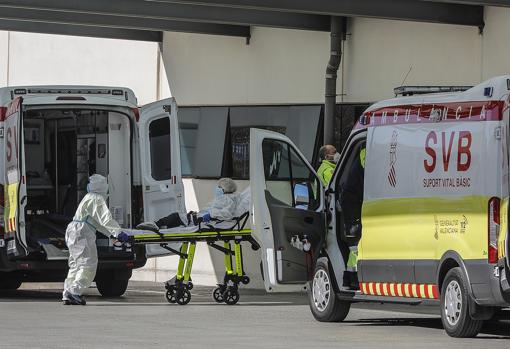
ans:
(329, 158)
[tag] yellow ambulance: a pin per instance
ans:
(420, 195)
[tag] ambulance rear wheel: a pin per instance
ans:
(455, 306)
(112, 288)
(9, 282)
(324, 304)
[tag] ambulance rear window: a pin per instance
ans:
(159, 137)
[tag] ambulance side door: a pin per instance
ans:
(288, 210)
(162, 187)
(15, 191)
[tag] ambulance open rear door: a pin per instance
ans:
(162, 187)
(15, 191)
(288, 210)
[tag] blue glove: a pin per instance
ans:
(123, 237)
(206, 217)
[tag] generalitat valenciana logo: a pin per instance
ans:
(392, 176)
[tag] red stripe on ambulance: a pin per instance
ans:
(426, 113)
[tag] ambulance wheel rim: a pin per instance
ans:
(321, 290)
(453, 303)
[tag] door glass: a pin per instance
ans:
(305, 185)
(159, 138)
(240, 136)
(288, 178)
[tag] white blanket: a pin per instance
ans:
(183, 229)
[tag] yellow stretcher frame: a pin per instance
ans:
(178, 288)
(155, 238)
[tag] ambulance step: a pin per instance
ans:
(357, 296)
(53, 253)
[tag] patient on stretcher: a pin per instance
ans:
(226, 205)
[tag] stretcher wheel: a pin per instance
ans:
(231, 296)
(218, 295)
(171, 294)
(184, 297)
(245, 280)
(189, 286)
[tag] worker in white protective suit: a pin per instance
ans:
(224, 206)
(92, 214)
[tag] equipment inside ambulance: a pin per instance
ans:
(52, 139)
(417, 209)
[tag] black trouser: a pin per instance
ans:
(351, 209)
(173, 220)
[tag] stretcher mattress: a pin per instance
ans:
(223, 229)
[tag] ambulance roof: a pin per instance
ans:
(484, 102)
(66, 94)
(499, 88)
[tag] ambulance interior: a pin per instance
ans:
(63, 147)
(344, 238)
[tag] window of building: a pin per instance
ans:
(202, 138)
(240, 138)
(299, 123)
(159, 138)
(346, 117)
(188, 133)
(215, 140)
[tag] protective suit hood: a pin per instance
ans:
(98, 185)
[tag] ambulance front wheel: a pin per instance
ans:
(324, 304)
(455, 306)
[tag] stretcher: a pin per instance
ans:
(227, 233)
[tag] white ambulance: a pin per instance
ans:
(433, 209)
(51, 139)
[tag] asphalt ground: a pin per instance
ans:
(34, 317)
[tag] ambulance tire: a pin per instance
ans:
(326, 308)
(112, 288)
(9, 283)
(455, 306)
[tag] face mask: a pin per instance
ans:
(336, 158)
(218, 192)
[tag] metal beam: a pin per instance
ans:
(412, 10)
(151, 24)
(178, 12)
(79, 30)
(502, 3)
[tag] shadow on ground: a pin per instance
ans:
(155, 296)
(498, 328)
